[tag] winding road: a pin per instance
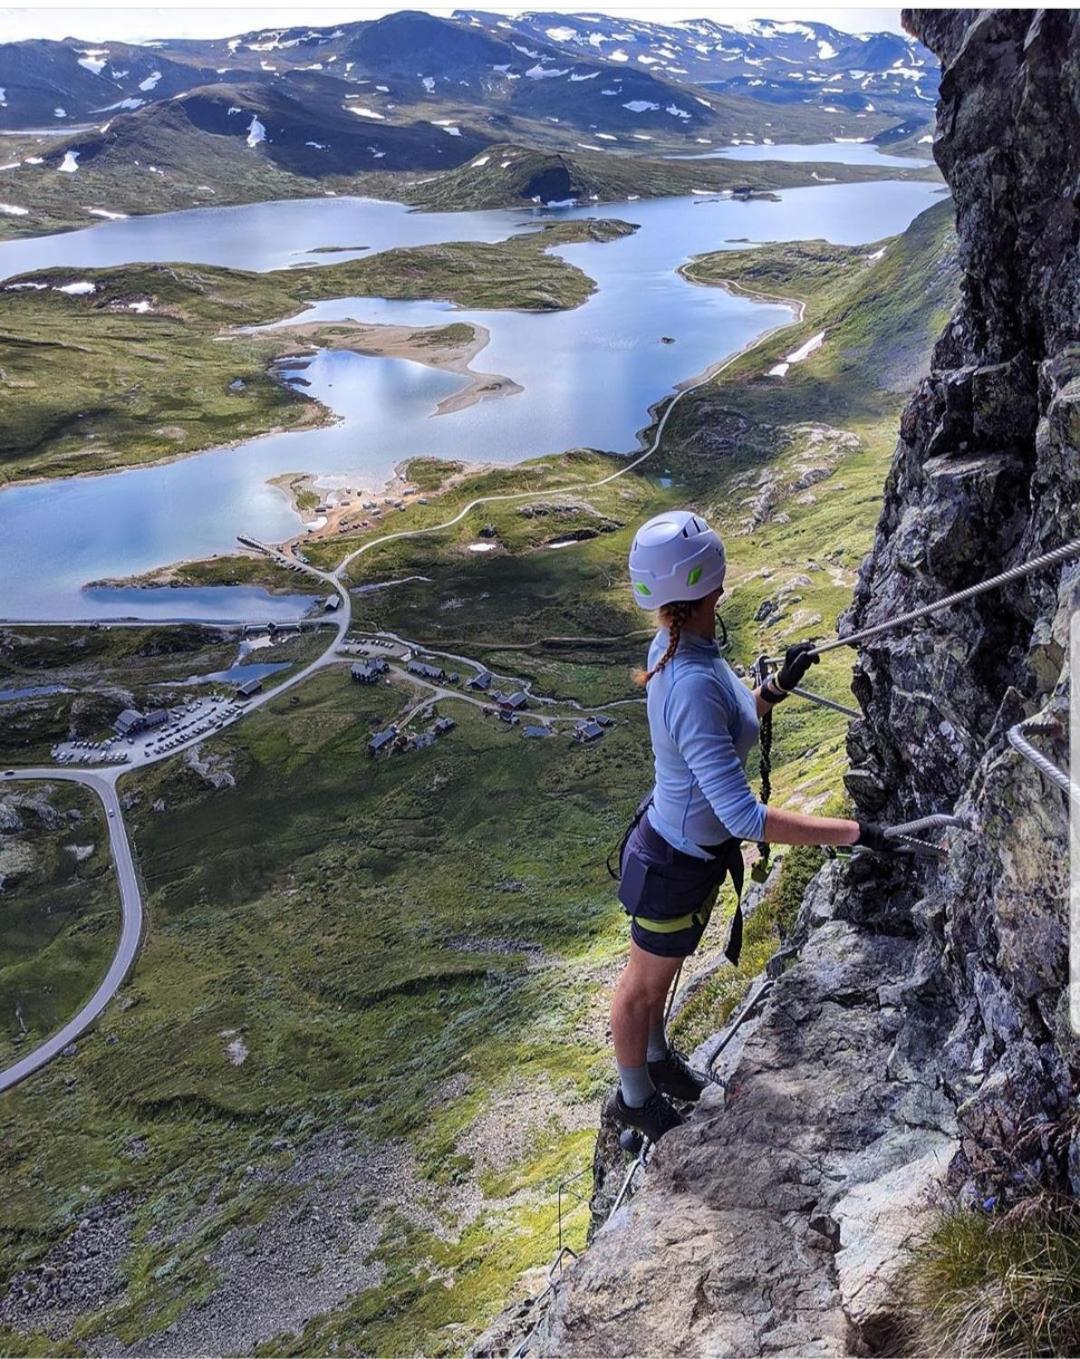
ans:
(103, 781)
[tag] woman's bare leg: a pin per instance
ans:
(639, 1000)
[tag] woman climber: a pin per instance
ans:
(703, 723)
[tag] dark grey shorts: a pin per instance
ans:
(669, 895)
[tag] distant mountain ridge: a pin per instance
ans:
(763, 58)
(49, 84)
(591, 71)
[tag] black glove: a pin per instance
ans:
(873, 837)
(797, 661)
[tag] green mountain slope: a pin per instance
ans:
(366, 1040)
(509, 175)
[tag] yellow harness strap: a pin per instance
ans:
(680, 922)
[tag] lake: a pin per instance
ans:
(589, 375)
(840, 153)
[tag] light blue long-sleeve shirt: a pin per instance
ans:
(703, 723)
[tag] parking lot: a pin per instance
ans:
(187, 722)
(377, 646)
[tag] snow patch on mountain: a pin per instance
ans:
(93, 60)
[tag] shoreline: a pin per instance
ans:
(414, 344)
(431, 346)
(629, 462)
(633, 458)
(654, 410)
(315, 414)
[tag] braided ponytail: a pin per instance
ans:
(673, 617)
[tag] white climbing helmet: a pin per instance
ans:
(675, 556)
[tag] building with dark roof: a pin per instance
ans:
(443, 724)
(588, 731)
(131, 721)
(536, 729)
(481, 680)
(425, 671)
(381, 740)
(516, 702)
(368, 672)
(249, 687)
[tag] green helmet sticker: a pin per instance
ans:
(694, 576)
(642, 588)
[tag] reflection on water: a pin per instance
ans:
(589, 376)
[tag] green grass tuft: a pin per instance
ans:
(992, 1287)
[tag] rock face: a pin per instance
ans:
(921, 1037)
(986, 476)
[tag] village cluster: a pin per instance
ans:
(507, 707)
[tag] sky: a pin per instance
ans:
(133, 22)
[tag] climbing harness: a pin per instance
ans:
(615, 869)
(729, 855)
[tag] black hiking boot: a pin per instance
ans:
(677, 1078)
(652, 1119)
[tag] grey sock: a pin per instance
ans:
(658, 1044)
(636, 1085)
